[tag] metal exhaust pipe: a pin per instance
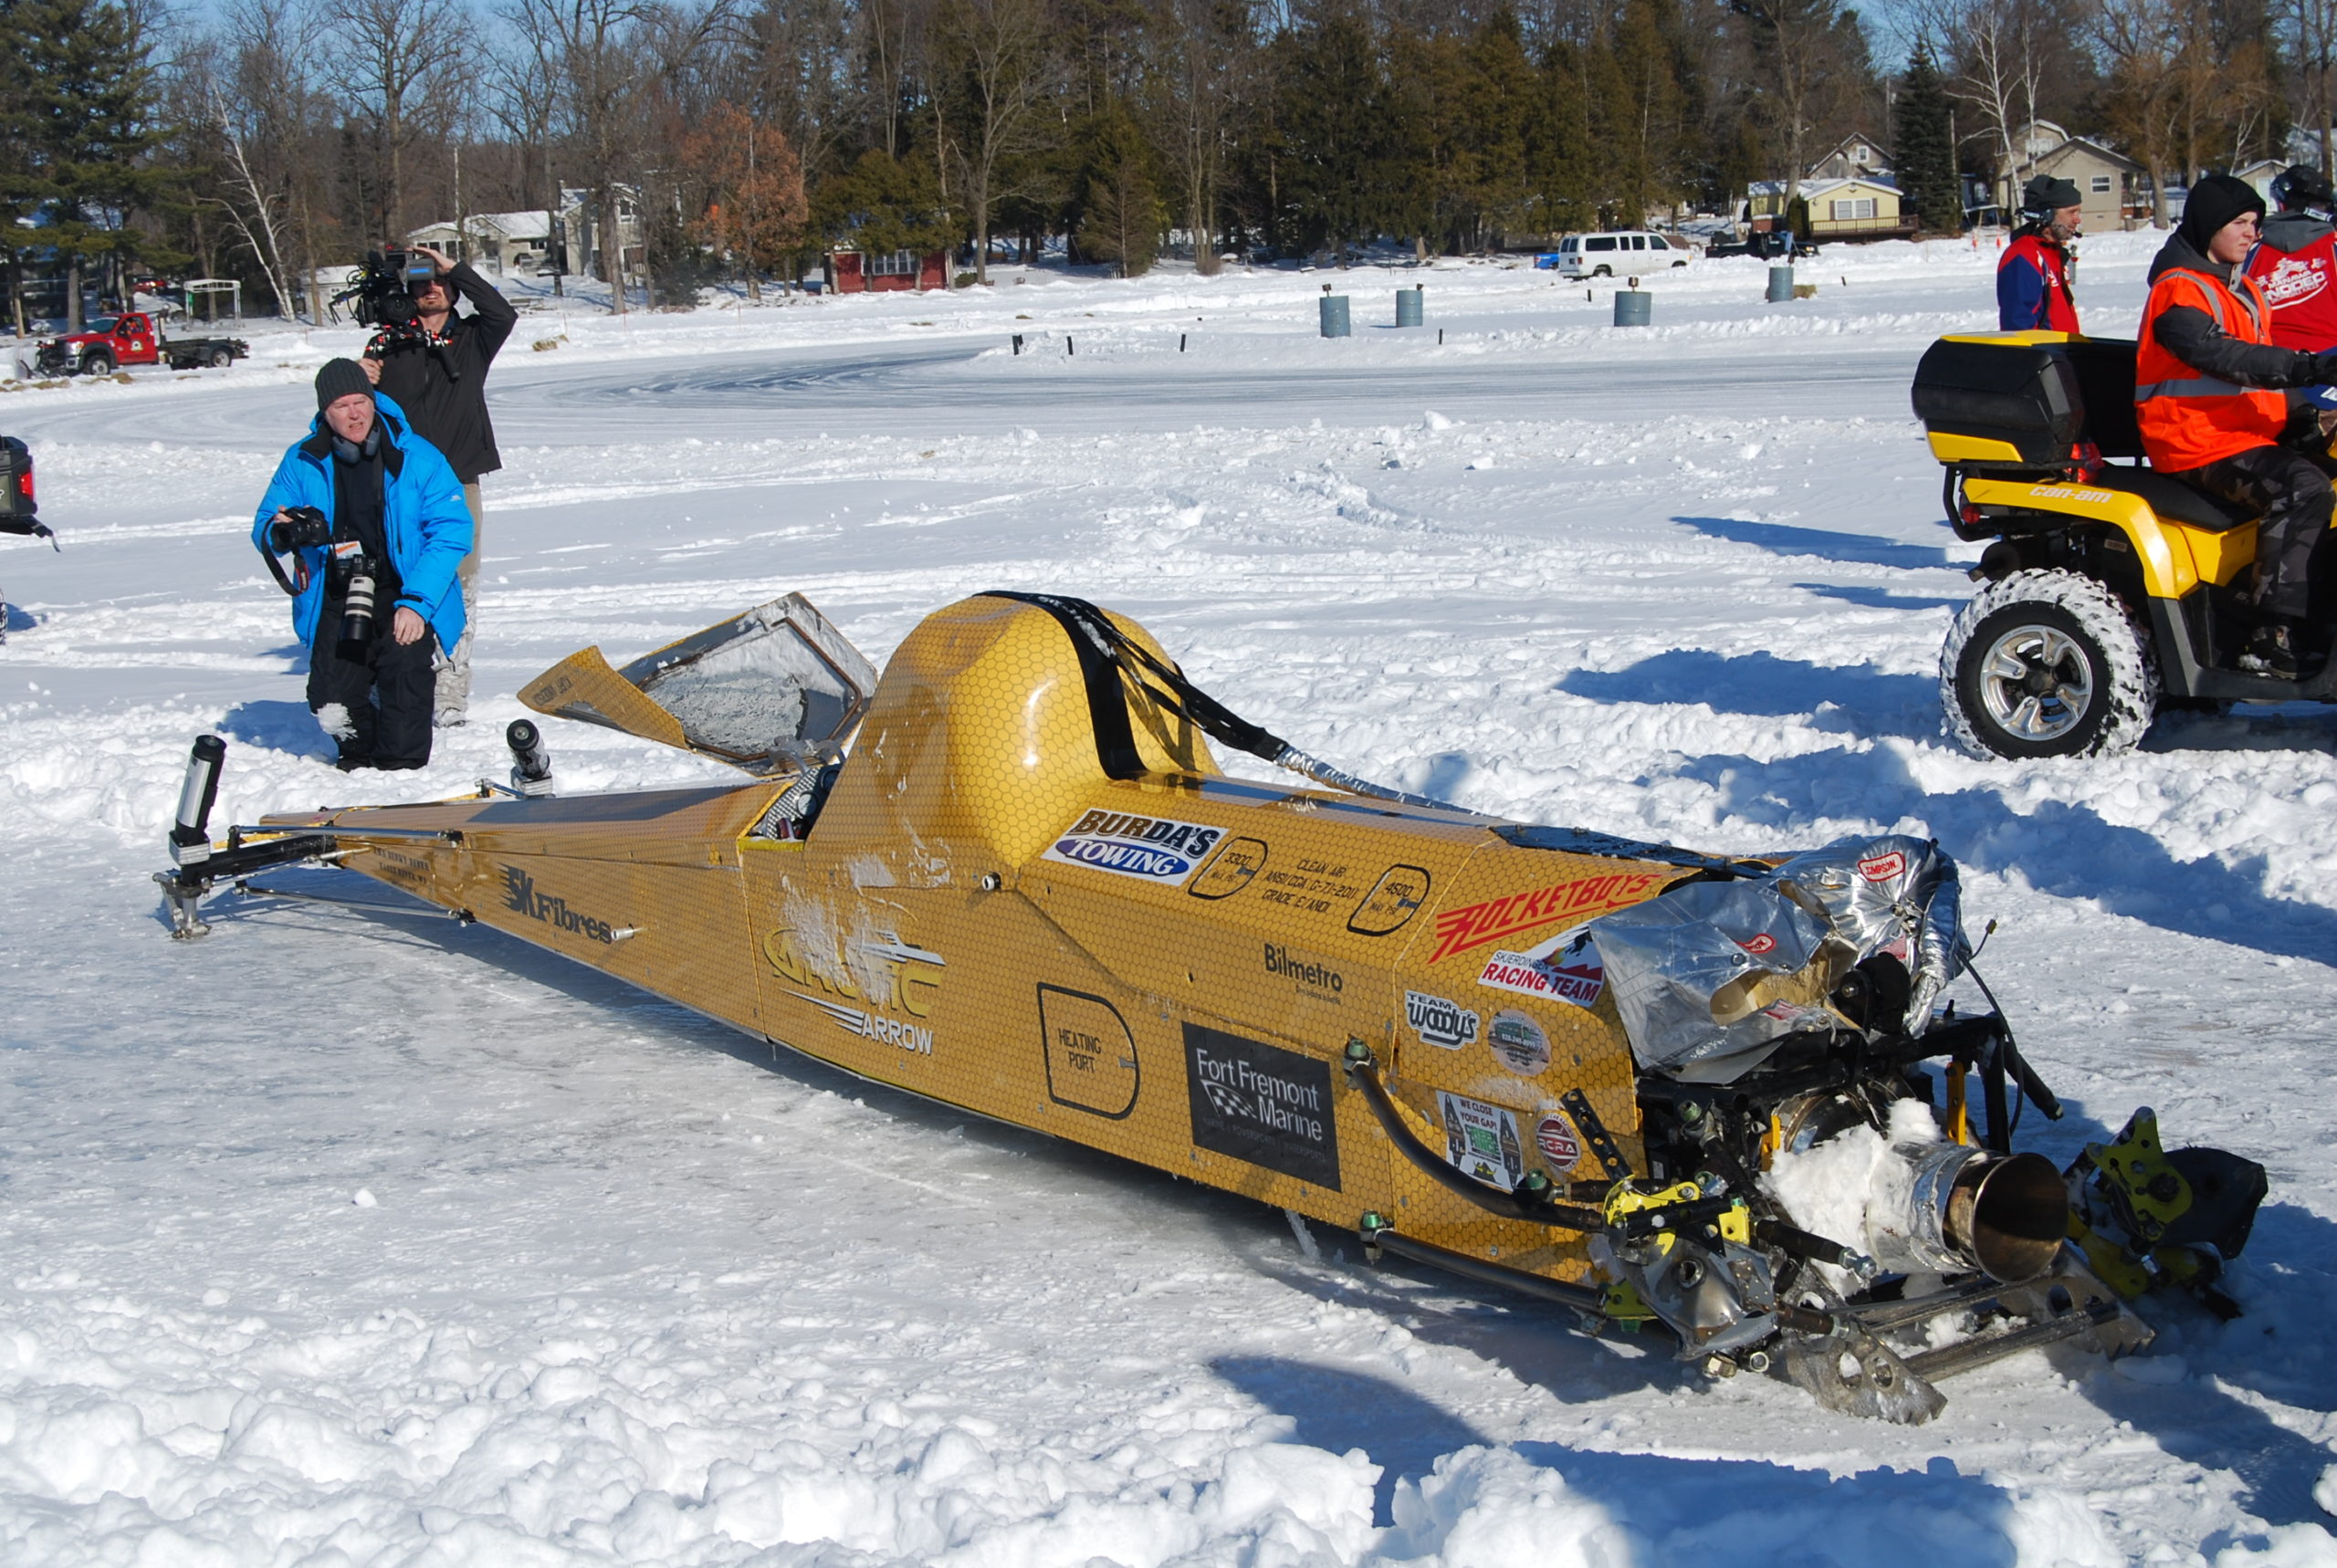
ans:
(1967, 1208)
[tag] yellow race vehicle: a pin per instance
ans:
(1717, 1098)
(2110, 592)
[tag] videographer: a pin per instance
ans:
(435, 370)
(373, 519)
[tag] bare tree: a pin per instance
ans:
(993, 71)
(1201, 48)
(597, 73)
(394, 61)
(1997, 67)
(1797, 47)
(2312, 27)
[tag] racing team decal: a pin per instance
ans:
(1481, 1140)
(1565, 968)
(1440, 1020)
(1475, 925)
(1149, 849)
(1261, 1104)
(2293, 280)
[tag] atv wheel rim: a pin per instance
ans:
(2036, 683)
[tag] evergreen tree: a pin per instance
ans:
(1121, 217)
(1925, 156)
(1339, 132)
(81, 125)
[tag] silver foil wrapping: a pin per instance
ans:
(1710, 977)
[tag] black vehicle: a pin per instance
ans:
(1777, 244)
(17, 507)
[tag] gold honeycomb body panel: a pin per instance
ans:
(1168, 966)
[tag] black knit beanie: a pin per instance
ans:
(339, 378)
(2212, 202)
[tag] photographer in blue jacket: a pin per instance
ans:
(373, 522)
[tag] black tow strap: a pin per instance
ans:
(1107, 656)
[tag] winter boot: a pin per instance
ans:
(2272, 651)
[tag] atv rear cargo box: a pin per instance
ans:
(2040, 398)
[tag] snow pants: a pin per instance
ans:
(2292, 491)
(384, 699)
(453, 699)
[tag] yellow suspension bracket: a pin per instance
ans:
(2143, 1185)
(1669, 1211)
(1959, 1115)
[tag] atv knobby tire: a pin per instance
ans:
(2046, 663)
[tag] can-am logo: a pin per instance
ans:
(1151, 849)
(1440, 1021)
(1883, 868)
(519, 895)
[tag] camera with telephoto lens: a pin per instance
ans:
(353, 574)
(384, 289)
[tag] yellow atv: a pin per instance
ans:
(2109, 591)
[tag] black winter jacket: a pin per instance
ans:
(442, 387)
(2191, 335)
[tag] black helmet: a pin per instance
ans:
(2044, 194)
(2302, 187)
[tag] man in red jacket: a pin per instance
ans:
(2033, 276)
(2295, 263)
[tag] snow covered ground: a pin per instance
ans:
(339, 1239)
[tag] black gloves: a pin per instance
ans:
(2324, 368)
(299, 527)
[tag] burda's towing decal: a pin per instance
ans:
(1481, 1140)
(1440, 1020)
(1149, 849)
(1565, 968)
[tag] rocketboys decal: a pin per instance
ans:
(522, 896)
(1440, 1020)
(1565, 968)
(1475, 925)
(1261, 1104)
(1149, 849)
(1481, 1140)
(901, 981)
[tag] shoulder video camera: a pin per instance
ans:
(382, 294)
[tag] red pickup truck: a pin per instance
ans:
(132, 338)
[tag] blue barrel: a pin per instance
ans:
(1407, 306)
(1633, 308)
(1781, 285)
(1334, 315)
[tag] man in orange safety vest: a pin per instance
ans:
(2208, 395)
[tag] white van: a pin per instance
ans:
(1619, 252)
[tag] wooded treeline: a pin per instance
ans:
(269, 136)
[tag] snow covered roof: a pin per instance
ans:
(525, 226)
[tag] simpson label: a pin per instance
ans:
(1261, 1104)
(1475, 925)
(522, 896)
(1481, 1140)
(1440, 1020)
(1883, 868)
(1565, 968)
(1311, 975)
(1149, 849)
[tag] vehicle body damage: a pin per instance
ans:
(1717, 1097)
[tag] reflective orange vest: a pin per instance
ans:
(2189, 419)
